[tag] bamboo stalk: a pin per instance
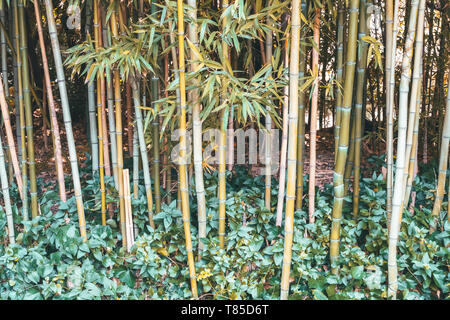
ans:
(197, 132)
(313, 124)
(128, 211)
(156, 148)
(443, 161)
(66, 115)
(413, 100)
(135, 165)
(91, 101)
(338, 181)
(339, 73)
(10, 137)
(284, 140)
(268, 122)
(110, 102)
(390, 107)
(182, 166)
(28, 108)
(401, 152)
(143, 149)
(359, 101)
(6, 197)
(19, 95)
(51, 106)
(222, 143)
(301, 117)
(119, 138)
(292, 148)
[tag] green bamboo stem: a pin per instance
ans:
(351, 154)
(359, 101)
(100, 153)
(112, 133)
(19, 95)
(401, 152)
(443, 162)
(66, 116)
(301, 118)
(4, 57)
(156, 148)
(268, 122)
(135, 165)
(10, 137)
(28, 108)
(91, 101)
(414, 147)
(284, 141)
(292, 148)
(143, 149)
(391, 15)
(313, 110)
(119, 137)
(338, 181)
(339, 73)
(51, 106)
(6, 197)
(413, 100)
(110, 102)
(183, 156)
(197, 132)
(222, 144)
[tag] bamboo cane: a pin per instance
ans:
(183, 182)
(110, 101)
(359, 101)
(66, 115)
(128, 211)
(51, 106)
(413, 100)
(119, 138)
(338, 182)
(101, 157)
(135, 165)
(414, 148)
(10, 137)
(197, 131)
(28, 108)
(268, 122)
(222, 144)
(19, 95)
(91, 101)
(156, 148)
(401, 151)
(443, 161)
(390, 71)
(313, 124)
(301, 118)
(339, 73)
(292, 148)
(284, 140)
(3, 49)
(12, 18)
(143, 149)
(6, 197)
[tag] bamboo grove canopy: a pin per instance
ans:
(169, 91)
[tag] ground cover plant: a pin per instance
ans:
(51, 261)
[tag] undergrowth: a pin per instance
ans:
(50, 260)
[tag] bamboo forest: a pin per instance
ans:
(224, 150)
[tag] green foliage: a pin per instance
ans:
(50, 260)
